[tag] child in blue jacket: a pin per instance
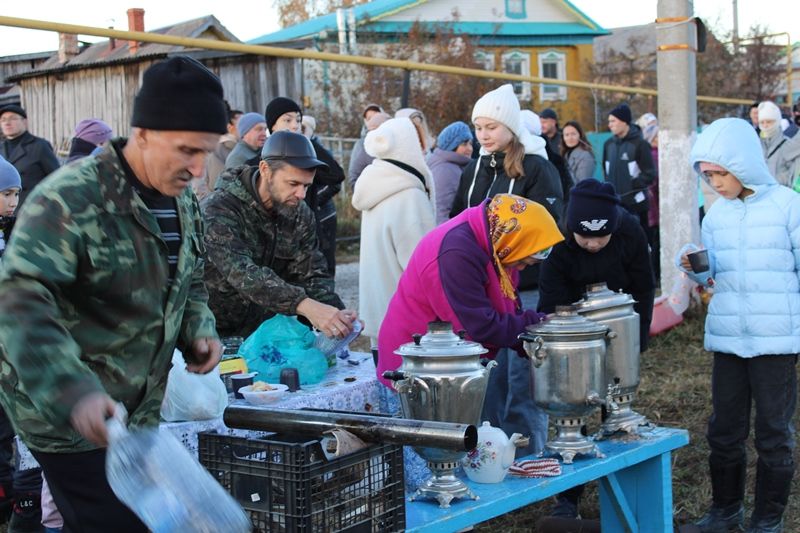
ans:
(752, 235)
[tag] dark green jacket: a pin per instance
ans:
(85, 305)
(260, 262)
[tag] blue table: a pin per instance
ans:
(635, 489)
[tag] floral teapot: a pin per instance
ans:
(494, 454)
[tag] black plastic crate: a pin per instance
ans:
(287, 484)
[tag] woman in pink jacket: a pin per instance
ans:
(465, 272)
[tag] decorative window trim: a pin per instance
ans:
(485, 59)
(517, 11)
(553, 92)
(522, 89)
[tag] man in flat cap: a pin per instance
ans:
(32, 156)
(104, 277)
(263, 254)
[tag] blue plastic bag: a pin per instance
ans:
(283, 342)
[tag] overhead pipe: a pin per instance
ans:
(225, 46)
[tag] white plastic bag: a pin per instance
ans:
(192, 396)
(680, 295)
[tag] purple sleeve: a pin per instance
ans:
(464, 278)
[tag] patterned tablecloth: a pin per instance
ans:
(346, 387)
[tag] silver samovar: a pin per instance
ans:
(567, 354)
(615, 310)
(441, 378)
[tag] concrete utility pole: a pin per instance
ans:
(676, 37)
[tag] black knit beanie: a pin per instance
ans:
(593, 208)
(277, 107)
(623, 113)
(180, 94)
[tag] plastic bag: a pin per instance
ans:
(192, 396)
(283, 342)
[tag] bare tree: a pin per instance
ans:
(291, 12)
(442, 98)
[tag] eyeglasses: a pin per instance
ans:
(541, 256)
(10, 118)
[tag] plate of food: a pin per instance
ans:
(260, 392)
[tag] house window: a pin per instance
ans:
(553, 65)
(516, 62)
(485, 60)
(515, 9)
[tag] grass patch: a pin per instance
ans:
(675, 391)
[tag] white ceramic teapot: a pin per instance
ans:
(489, 461)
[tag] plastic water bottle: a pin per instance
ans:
(157, 478)
(332, 347)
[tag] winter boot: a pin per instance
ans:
(27, 515)
(727, 492)
(722, 519)
(773, 484)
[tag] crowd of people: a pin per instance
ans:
(200, 225)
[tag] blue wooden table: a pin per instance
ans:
(635, 489)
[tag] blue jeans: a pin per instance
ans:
(769, 381)
(509, 401)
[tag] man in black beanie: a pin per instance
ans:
(104, 277)
(606, 244)
(283, 114)
(628, 163)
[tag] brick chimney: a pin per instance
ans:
(67, 47)
(135, 23)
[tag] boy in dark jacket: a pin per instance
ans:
(604, 243)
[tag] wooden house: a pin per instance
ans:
(100, 80)
(546, 38)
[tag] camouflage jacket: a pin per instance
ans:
(85, 305)
(260, 262)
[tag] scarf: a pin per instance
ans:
(518, 228)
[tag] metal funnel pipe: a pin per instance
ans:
(369, 428)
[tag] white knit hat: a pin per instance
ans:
(500, 105)
(769, 111)
(397, 139)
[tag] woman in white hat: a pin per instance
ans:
(512, 161)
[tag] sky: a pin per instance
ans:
(248, 20)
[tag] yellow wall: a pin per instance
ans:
(578, 105)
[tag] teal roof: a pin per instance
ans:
(517, 31)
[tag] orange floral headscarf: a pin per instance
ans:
(518, 228)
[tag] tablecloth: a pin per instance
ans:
(346, 387)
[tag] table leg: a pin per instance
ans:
(638, 499)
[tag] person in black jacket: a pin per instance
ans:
(511, 160)
(604, 243)
(32, 156)
(628, 163)
(285, 114)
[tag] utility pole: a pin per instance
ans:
(676, 36)
(736, 25)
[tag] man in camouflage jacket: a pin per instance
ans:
(263, 256)
(95, 294)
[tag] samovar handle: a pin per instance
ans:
(536, 358)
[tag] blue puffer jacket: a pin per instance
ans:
(754, 250)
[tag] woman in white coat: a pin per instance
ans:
(395, 197)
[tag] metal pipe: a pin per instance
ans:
(369, 428)
(275, 51)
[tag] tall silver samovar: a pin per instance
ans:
(615, 310)
(567, 353)
(441, 378)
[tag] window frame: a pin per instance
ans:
(546, 94)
